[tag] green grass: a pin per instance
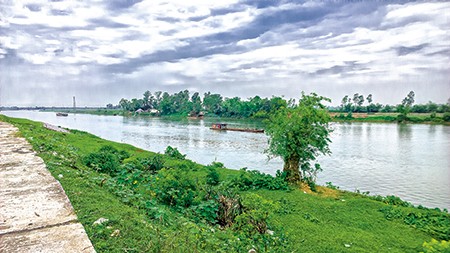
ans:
(391, 117)
(331, 221)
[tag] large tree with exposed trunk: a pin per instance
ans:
(298, 134)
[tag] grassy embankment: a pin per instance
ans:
(427, 118)
(179, 208)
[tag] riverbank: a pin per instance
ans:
(133, 200)
(413, 118)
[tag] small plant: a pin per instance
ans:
(436, 246)
(331, 186)
(311, 183)
(212, 178)
(434, 222)
(174, 153)
(446, 117)
(152, 164)
(174, 188)
(257, 211)
(256, 180)
(105, 160)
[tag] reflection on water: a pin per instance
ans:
(410, 161)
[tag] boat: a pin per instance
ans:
(224, 127)
(62, 114)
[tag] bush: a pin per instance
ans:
(434, 222)
(436, 246)
(212, 178)
(257, 211)
(446, 117)
(122, 154)
(402, 117)
(174, 153)
(173, 187)
(256, 180)
(105, 160)
(152, 164)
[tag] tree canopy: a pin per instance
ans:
(299, 134)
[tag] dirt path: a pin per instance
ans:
(35, 213)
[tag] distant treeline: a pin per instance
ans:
(356, 104)
(211, 104)
(182, 103)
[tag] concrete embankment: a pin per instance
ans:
(35, 213)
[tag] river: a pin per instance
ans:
(411, 161)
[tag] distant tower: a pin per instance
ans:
(74, 104)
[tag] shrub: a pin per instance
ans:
(257, 180)
(434, 222)
(402, 117)
(257, 211)
(152, 164)
(446, 117)
(212, 178)
(436, 246)
(174, 153)
(102, 162)
(173, 187)
(122, 154)
(331, 185)
(206, 211)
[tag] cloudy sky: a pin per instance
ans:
(101, 51)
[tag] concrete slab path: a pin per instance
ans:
(35, 213)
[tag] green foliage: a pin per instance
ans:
(152, 164)
(174, 187)
(434, 222)
(212, 178)
(311, 183)
(446, 117)
(174, 153)
(255, 215)
(436, 246)
(253, 179)
(391, 200)
(107, 159)
(331, 186)
(299, 134)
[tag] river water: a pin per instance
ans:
(411, 161)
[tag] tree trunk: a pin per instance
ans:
(291, 166)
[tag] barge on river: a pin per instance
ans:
(224, 127)
(63, 114)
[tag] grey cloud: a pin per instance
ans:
(104, 22)
(402, 50)
(34, 7)
(61, 12)
(341, 69)
(121, 4)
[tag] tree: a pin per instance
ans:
(405, 107)
(213, 103)
(344, 102)
(369, 99)
(370, 107)
(196, 104)
(125, 104)
(148, 100)
(298, 134)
